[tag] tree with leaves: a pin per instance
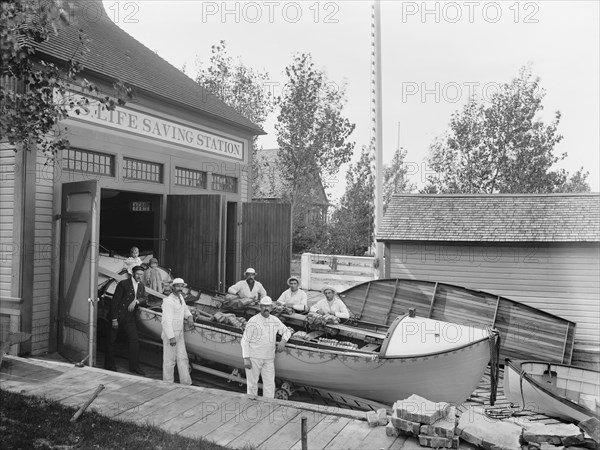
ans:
(312, 134)
(353, 221)
(501, 146)
(395, 177)
(29, 110)
(351, 228)
(242, 88)
(238, 85)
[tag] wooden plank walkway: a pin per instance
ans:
(228, 418)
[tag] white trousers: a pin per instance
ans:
(176, 354)
(266, 369)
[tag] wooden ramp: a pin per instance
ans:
(227, 418)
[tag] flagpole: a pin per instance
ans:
(378, 141)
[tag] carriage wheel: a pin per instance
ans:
(282, 394)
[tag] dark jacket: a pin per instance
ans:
(122, 297)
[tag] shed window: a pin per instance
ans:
(224, 183)
(88, 161)
(136, 169)
(191, 178)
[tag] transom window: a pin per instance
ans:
(224, 183)
(88, 161)
(190, 177)
(137, 169)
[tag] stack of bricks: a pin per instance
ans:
(434, 424)
(377, 418)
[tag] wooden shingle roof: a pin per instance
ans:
(116, 55)
(270, 184)
(493, 218)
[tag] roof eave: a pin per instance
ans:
(255, 131)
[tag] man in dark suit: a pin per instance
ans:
(128, 295)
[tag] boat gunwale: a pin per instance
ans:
(327, 349)
(515, 365)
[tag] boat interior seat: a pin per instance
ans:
(357, 333)
(315, 334)
(370, 348)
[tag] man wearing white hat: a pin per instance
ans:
(294, 297)
(174, 313)
(259, 343)
(249, 289)
(331, 304)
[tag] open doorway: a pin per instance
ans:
(231, 245)
(127, 219)
(130, 219)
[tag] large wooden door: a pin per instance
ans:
(78, 272)
(194, 247)
(267, 243)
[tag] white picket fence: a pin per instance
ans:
(340, 272)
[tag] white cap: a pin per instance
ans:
(250, 270)
(266, 301)
(328, 288)
(179, 281)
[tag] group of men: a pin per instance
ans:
(129, 294)
(259, 340)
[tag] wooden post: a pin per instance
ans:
(80, 411)
(304, 434)
(305, 271)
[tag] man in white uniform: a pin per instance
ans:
(174, 313)
(249, 289)
(331, 304)
(259, 342)
(294, 297)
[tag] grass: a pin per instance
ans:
(34, 422)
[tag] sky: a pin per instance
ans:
(434, 55)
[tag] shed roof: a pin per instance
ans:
(493, 218)
(270, 184)
(115, 54)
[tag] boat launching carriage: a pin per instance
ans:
(437, 360)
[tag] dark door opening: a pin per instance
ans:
(194, 231)
(130, 219)
(231, 245)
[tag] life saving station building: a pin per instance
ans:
(168, 172)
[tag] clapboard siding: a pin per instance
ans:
(561, 279)
(7, 210)
(45, 254)
(243, 182)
